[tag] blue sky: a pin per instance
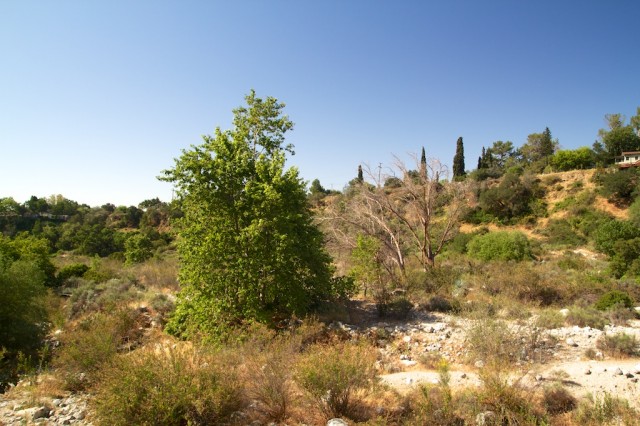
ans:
(98, 97)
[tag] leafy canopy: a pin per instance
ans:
(248, 247)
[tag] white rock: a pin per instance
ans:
(337, 422)
(564, 312)
(408, 362)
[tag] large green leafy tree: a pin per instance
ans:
(247, 243)
(618, 137)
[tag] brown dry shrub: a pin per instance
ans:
(332, 375)
(558, 400)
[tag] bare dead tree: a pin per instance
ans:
(409, 211)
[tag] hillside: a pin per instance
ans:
(544, 338)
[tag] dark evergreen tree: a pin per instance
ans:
(360, 175)
(547, 146)
(458, 161)
(423, 164)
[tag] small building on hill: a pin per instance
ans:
(628, 159)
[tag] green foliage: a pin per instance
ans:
(458, 161)
(366, 264)
(581, 158)
(612, 299)
(500, 245)
(560, 232)
(538, 150)
(620, 187)
(22, 311)
(36, 250)
(73, 270)
(514, 197)
(23, 315)
(138, 248)
(332, 374)
(168, 387)
(247, 242)
(612, 231)
(618, 140)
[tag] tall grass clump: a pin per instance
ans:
(331, 374)
(620, 345)
(168, 386)
(89, 346)
(605, 409)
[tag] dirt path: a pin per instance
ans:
(580, 377)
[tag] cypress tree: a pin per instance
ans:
(423, 164)
(458, 161)
(360, 175)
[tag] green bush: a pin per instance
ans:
(612, 231)
(612, 299)
(73, 270)
(332, 374)
(168, 387)
(500, 245)
(625, 258)
(620, 187)
(559, 232)
(138, 248)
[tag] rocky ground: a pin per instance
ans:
(409, 350)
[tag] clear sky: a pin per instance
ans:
(98, 97)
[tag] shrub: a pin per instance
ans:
(558, 400)
(138, 248)
(585, 317)
(332, 374)
(94, 342)
(603, 409)
(620, 187)
(618, 345)
(168, 387)
(612, 299)
(73, 270)
(106, 296)
(550, 319)
(610, 232)
(511, 403)
(500, 245)
(559, 232)
(270, 383)
(625, 258)
(496, 345)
